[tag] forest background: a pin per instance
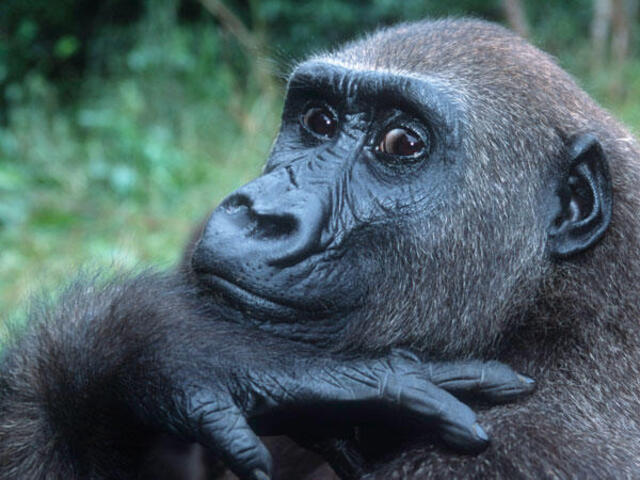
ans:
(122, 122)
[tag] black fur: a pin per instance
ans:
(512, 235)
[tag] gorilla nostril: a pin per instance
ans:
(273, 227)
(236, 203)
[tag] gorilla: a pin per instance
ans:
(441, 200)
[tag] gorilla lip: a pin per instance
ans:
(240, 296)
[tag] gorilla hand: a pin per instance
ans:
(226, 404)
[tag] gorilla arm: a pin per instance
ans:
(92, 382)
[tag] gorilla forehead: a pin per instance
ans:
(433, 45)
(481, 61)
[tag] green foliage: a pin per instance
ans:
(560, 25)
(157, 136)
(52, 37)
(288, 26)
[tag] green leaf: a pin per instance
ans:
(66, 47)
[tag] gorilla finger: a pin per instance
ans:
(405, 354)
(223, 428)
(493, 381)
(456, 422)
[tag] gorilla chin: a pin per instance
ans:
(244, 300)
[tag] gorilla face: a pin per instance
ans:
(361, 157)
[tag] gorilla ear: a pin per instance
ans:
(584, 194)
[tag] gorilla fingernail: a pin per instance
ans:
(526, 380)
(258, 474)
(480, 433)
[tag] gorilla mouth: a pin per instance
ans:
(245, 300)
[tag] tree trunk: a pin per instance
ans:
(516, 17)
(622, 15)
(600, 26)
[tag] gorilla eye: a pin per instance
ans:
(401, 142)
(321, 121)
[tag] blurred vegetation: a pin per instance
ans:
(122, 122)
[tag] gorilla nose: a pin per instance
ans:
(289, 233)
(251, 228)
(267, 224)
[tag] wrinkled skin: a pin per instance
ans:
(337, 225)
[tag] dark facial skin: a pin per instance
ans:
(360, 158)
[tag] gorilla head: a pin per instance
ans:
(425, 184)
